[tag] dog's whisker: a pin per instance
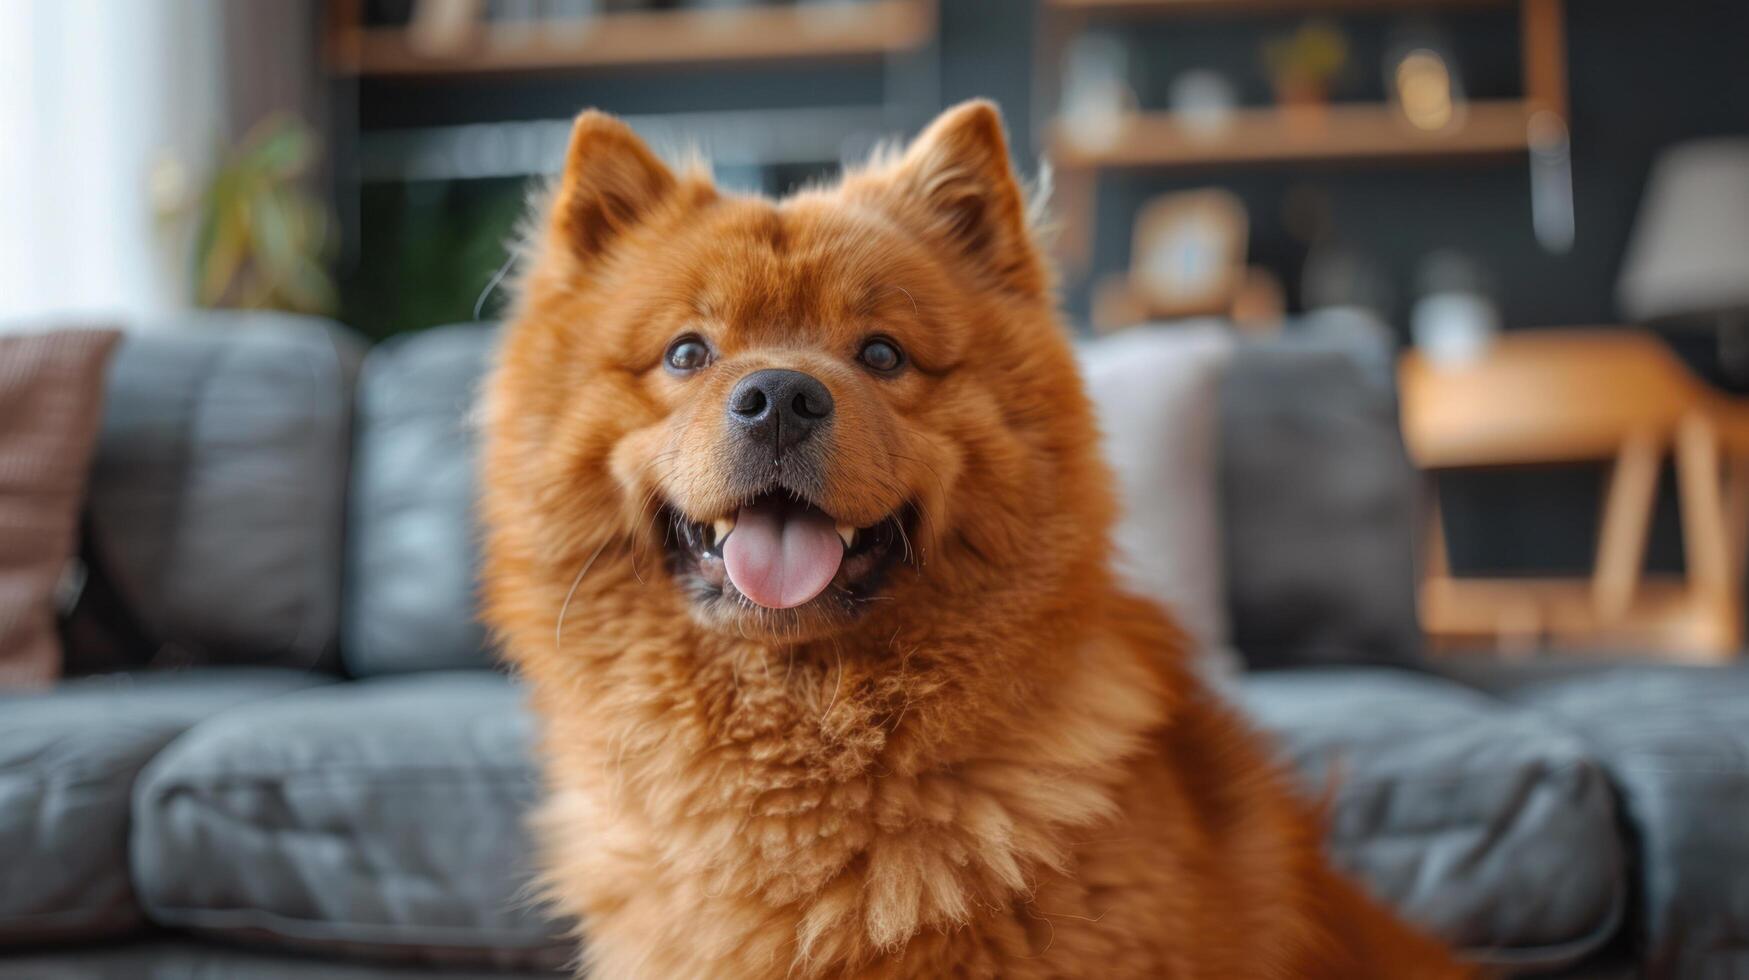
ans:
(559, 626)
(837, 683)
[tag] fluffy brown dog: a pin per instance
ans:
(798, 530)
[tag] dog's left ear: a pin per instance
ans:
(955, 183)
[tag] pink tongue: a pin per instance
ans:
(781, 557)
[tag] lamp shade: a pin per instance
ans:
(1690, 249)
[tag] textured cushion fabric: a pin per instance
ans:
(380, 816)
(410, 589)
(68, 759)
(1317, 496)
(161, 959)
(1675, 740)
(218, 489)
(51, 392)
(1478, 819)
(1155, 392)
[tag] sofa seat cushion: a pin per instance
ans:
(179, 958)
(1675, 740)
(381, 817)
(68, 761)
(1478, 819)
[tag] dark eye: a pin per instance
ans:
(687, 354)
(881, 354)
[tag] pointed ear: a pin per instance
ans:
(956, 182)
(612, 183)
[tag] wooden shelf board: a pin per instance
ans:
(1337, 132)
(869, 28)
(1169, 8)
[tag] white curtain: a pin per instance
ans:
(109, 110)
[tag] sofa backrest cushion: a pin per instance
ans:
(412, 543)
(216, 503)
(1319, 506)
(1154, 388)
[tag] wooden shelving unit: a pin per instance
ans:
(866, 29)
(409, 158)
(1335, 134)
(441, 40)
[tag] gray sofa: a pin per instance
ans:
(286, 752)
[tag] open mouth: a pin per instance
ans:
(781, 552)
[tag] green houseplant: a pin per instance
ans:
(262, 237)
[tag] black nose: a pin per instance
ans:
(779, 407)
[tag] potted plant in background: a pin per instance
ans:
(262, 238)
(1302, 67)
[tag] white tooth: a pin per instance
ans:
(723, 525)
(848, 533)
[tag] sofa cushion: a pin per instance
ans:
(383, 815)
(1675, 740)
(1478, 819)
(217, 491)
(1154, 388)
(51, 396)
(68, 759)
(410, 589)
(1317, 497)
(188, 959)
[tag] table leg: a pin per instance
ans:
(1627, 512)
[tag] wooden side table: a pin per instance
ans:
(1555, 396)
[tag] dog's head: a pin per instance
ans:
(853, 400)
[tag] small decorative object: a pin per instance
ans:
(1423, 86)
(1188, 260)
(569, 20)
(1307, 212)
(1338, 277)
(1303, 66)
(1115, 305)
(827, 9)
(1345, 295)
(513, 23)
(442, 28)
(1423, 81)
(1097, 97)
(1551, 182)
(1203, 101)
(1687, 264)
(262, 236)
(1260, 303)
(1455, 321)
(1189, 253)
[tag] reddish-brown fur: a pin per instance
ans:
(1003, 768)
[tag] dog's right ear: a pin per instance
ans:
(612, 183)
